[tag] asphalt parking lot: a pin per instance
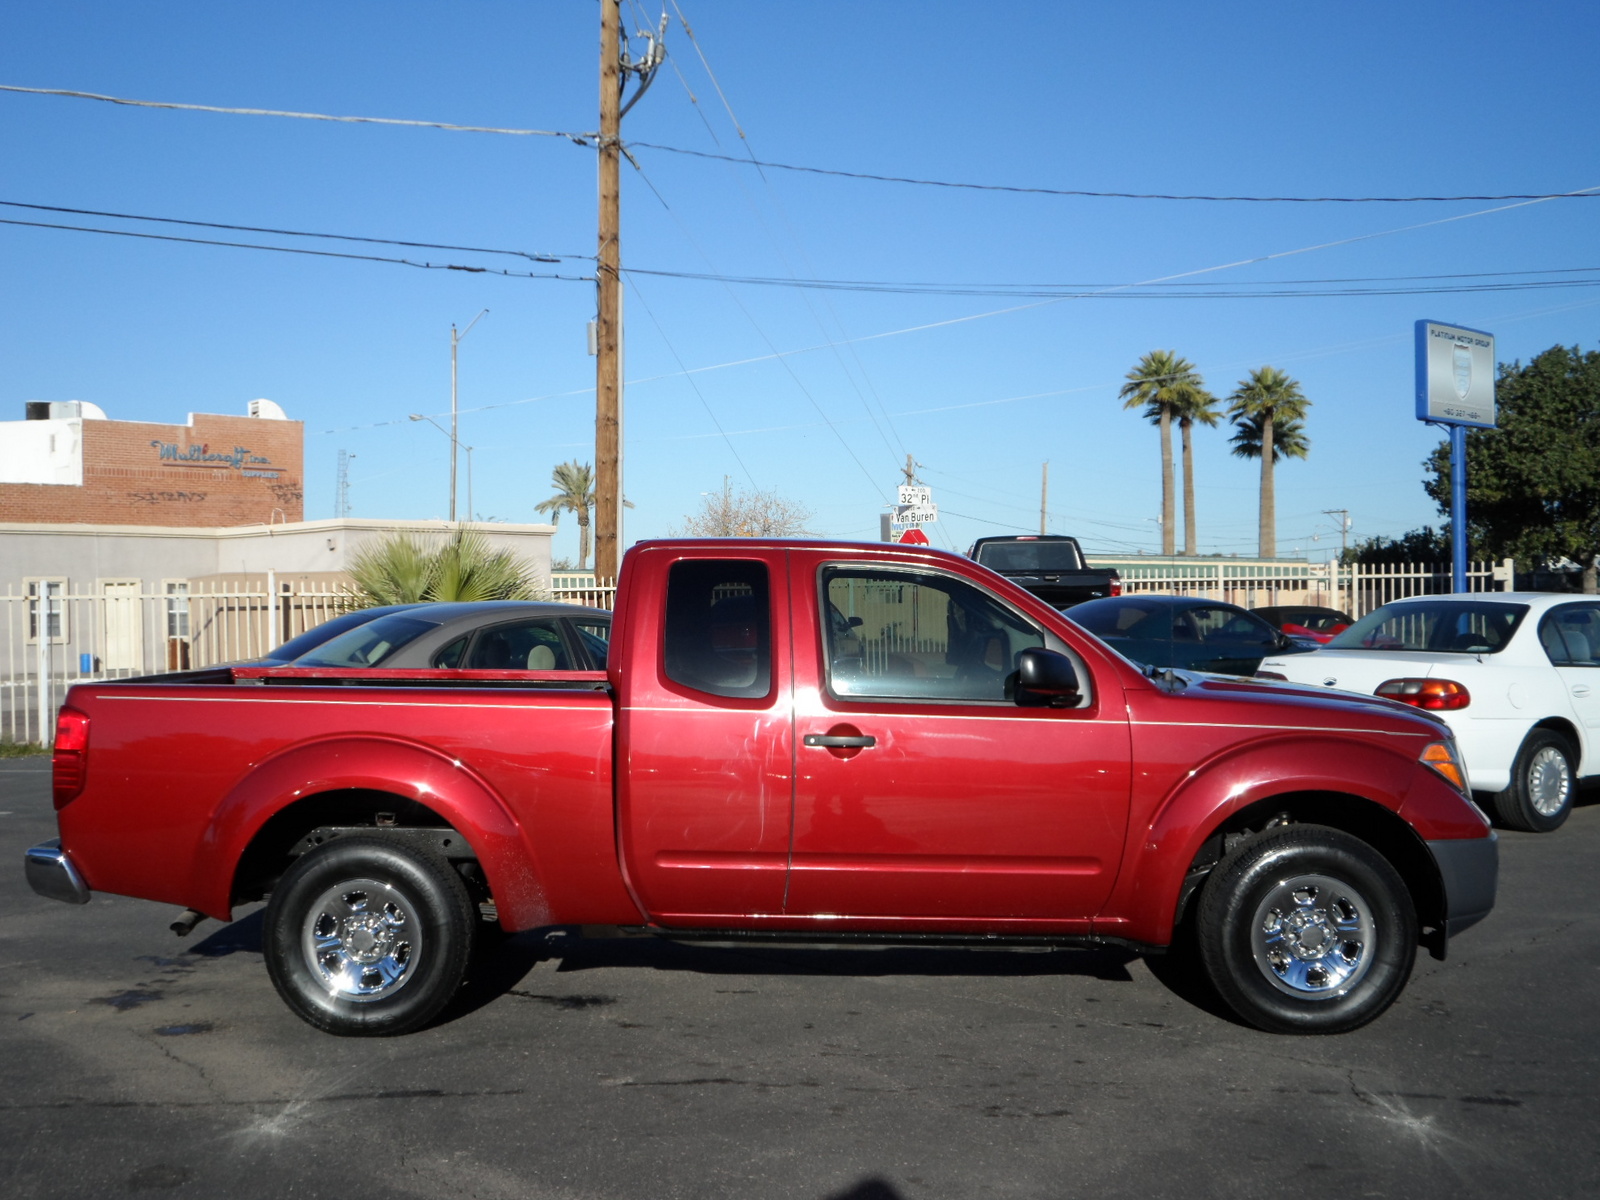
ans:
(629, 1068)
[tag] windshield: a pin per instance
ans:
(1030, 556)
(1451, 626)
(367, 645)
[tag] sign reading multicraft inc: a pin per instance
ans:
(1455, 375)
(239, 458)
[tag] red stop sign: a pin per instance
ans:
(913, 537)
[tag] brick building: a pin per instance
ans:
(66, 463)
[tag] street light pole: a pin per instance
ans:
(455, 340)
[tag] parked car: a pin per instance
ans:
(1306, 621)
(308, 641)
(1516, 675)
(493, 635)
(1184, 631)
(793, 740)
(1050, 566)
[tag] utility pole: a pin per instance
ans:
(455, 340)
(614, 70)
(1044, 495)
(910, 471)
(607, 425)
(1344, 528)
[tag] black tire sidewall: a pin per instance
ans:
(1228, 905)
(439, 902)
(1515, 807)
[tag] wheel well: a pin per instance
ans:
(1380, 828)
(1566, 729)
(275, 844)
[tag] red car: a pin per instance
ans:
(1306, 621)
(801, 740)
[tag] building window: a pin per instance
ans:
(53, 593)
(177, 608)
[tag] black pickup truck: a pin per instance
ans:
(1048, 565)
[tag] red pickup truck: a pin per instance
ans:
(792, 741)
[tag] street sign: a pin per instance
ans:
(1455, 375)
(916, 506)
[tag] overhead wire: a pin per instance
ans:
(589, 137)
(582, 139)
(404, 262)
(342, 237)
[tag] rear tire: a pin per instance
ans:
(1544, 778)
(366, 937)
(1305, 929)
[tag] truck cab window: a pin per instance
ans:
(719, 627)
(920, 636)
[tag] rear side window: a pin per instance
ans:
(1571, 635)
(367, 645)
(525, 646)
(719, 627)
(1023, 556)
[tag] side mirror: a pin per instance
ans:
(855, 622)
(1046, 677)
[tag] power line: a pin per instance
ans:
(1095, 291)
(1583, 194)
(404, 262)
(582, 139)
(342, 237)
(586, 138)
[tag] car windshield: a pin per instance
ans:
(1030, 556)
(367, 645)
(1450, 626)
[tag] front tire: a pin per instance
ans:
(366, 937)
(1305, 929)
(1543, 780)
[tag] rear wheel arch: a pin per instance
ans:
(349, 781)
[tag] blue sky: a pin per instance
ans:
(1260, 99)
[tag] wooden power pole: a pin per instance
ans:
(1044, 496)
(608, 364)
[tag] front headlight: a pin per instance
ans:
(1444, 758)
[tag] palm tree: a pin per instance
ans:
(574, 484)
(1260, 404)
(406, 569)
(1156, 383)
(1194, 405)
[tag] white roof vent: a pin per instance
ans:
(70, 410)
(266, 410)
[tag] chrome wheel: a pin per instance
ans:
(361, 940)
(1549, 781)
(1313, 937)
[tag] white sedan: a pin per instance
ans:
(1516, 675)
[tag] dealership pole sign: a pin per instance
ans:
(1455, 388)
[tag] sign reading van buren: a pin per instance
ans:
(916, 506)
(1455, 375)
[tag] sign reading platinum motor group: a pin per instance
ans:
(1455, 375)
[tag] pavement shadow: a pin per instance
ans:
(869, 1189)
(241, 935)
(499, 970)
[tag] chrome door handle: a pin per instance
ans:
(1580, 689)
(833, 739)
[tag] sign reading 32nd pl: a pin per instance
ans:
(1455, 375)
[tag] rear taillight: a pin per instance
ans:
(1432, 694)
(1116, 586)
(70, 763)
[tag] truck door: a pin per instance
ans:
(705, 736)
(922, 790)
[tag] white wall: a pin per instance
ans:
(85, 553)
(42, 452)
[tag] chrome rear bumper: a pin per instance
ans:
(52, 875)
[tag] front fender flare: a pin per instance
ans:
(1144, 905)
(371, 763)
